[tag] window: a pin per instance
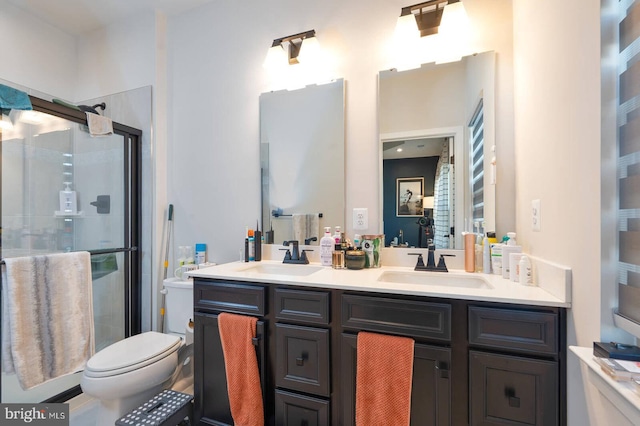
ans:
(476, 167)
(628, 118)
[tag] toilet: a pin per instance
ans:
(128, 373)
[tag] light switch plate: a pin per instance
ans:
(535, 215)
(360, 219)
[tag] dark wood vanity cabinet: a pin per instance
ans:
(517, 366)
(211, 407)
(474, 363)
(429, 324)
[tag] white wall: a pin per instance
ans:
(557, 118)
(30, 46)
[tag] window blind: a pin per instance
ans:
(628, 116)
(476, 164)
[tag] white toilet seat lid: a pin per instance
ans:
(132, 353)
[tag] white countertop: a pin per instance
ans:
(621, 394)
(501, 290)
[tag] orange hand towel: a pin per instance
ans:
(241, 368)
(383, 380)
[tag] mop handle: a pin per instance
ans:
(166, 256)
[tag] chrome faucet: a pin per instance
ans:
(293, 255)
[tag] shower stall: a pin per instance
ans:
(63, 190)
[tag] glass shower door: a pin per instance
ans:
(63, 190)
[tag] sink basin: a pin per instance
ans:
(282, 269)
(434, 278)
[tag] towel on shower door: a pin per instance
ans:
(99, 125)
(305, 226)
(47, 316)
(11, 98)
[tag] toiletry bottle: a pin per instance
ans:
(526, 278)
(326, 247)
(469, 252)
(257, 237)
(357, 241)
(478, 253)
(337, 237)
(68, 200)
(201, 253)
(188, 255)
(496, 258)
(486, 255)
(510, 247)
(252, 246)
(181, 256)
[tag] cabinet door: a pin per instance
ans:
(431, 389)
(211, 405)
(300, 410)
(512, 390)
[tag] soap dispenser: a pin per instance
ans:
(68, 200)
(327, 244)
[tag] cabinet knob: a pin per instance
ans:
(513, 400)
(300, 361)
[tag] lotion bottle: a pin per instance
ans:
(68, 200)
(526, 278)
(326, 247)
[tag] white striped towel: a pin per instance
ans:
(47, 316)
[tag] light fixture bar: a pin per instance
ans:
(428, 16)
(295, 42)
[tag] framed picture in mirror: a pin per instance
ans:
(409, 194)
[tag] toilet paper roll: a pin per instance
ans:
(188, 335)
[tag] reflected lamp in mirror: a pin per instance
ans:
(5, 122)
(432, 31)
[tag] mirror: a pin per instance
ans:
(437, 137)
(302, 161)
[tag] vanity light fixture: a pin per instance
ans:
(429, 16)
(301, 47)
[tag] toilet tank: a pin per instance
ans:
(178, 304)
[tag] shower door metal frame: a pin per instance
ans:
(132, 228)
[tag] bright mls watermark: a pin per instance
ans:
(34, 414)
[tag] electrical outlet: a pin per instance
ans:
(360, 219)
(535, 215)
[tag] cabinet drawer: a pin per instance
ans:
(514, 390)
(230, 297)
(514, 329)
(302, 355)
(402, 317)
(302, 305)
(300, 410)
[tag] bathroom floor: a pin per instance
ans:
(83, 408)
